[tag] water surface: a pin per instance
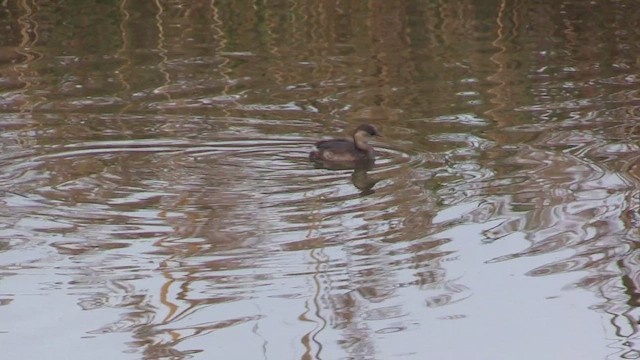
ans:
(156, 200)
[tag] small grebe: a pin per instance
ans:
(347, 151)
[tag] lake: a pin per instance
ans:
(157, 200)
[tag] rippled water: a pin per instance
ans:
(157, 201)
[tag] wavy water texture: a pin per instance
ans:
(225, 214)
(156, 195)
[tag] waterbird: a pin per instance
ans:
(346, 153)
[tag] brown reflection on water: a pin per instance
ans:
(154, 169)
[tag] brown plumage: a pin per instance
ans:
(346, 151)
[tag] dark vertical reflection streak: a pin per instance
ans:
(29, 39)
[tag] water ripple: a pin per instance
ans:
(229, 191)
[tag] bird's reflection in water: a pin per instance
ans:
(361, 179)
(360, 176)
